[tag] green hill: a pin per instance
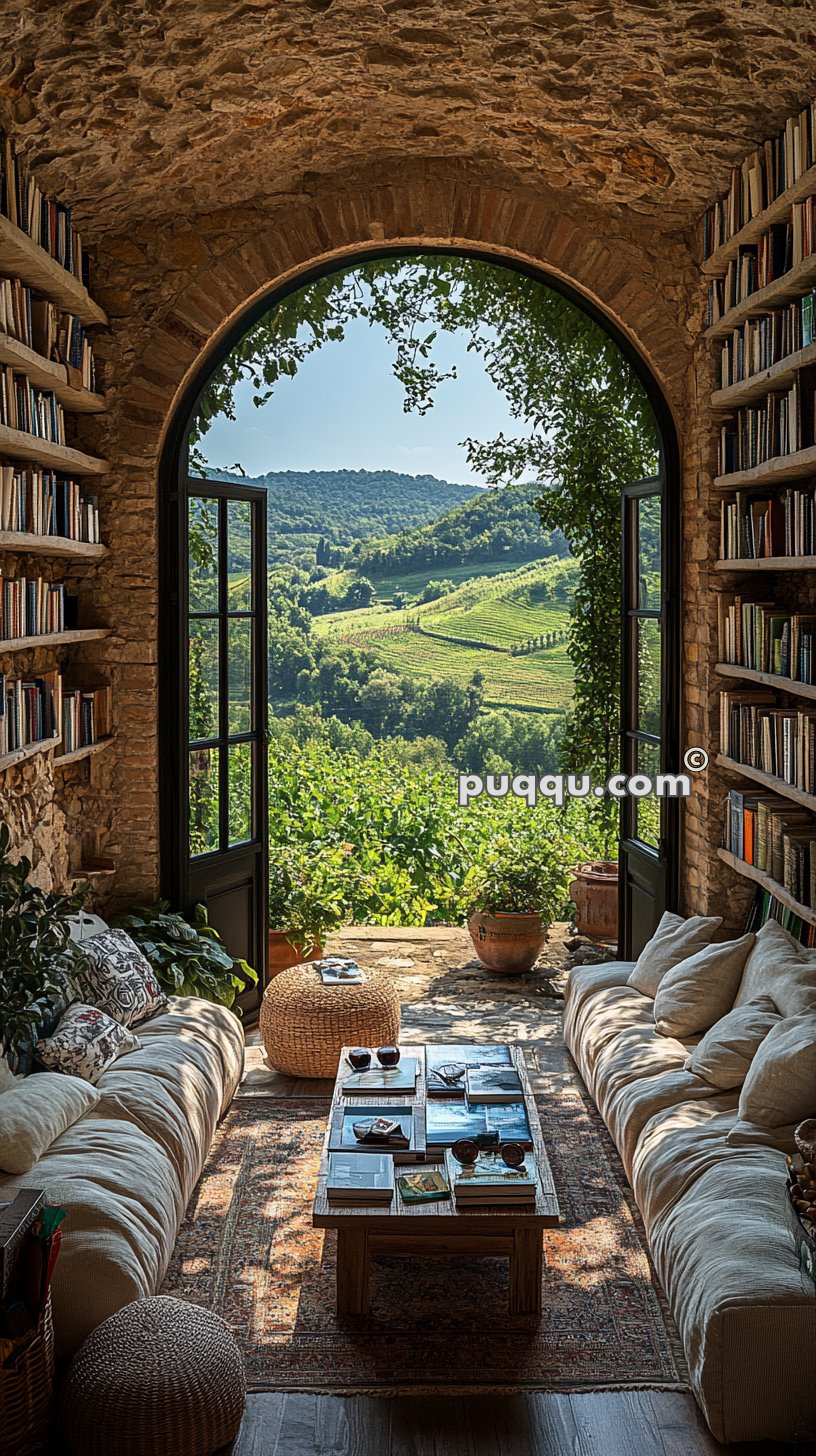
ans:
(499, 525)
(340, 507)
(511, 627)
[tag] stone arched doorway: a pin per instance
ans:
(176, 863)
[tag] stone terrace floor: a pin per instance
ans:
(448, 995)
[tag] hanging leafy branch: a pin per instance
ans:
(586, 424)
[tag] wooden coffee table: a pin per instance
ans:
(435, 1230)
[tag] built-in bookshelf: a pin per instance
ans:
(48, 374)
(759, 249)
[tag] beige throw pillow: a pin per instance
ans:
(781, 1086)
(700, 989)
(35, 1112)
(674, 940)
(780, 967)
(726, 1051)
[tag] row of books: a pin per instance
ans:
(766, 906)
(763, 637)
(86, 717)
(759, 264)
(764, 175)
(754, 527)
(766, 831)
(31, 607)
(368, 1180)
(30, 710)
(45, 220)
(46, 504)
(25, 407)
(762, 342)
(47, 330)
(756, 731)
(779, 424)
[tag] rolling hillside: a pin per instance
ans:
(341, 507)
(474, 629)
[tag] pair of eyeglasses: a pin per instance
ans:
(467, 1150)
(360, 1057)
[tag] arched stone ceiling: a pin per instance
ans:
(141, 109)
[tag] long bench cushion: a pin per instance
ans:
(126, 1170)
(723, 1249)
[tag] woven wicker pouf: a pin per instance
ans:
(304, 1024)
(159, 1376)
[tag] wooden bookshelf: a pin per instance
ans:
(768, 781)
(21, 257)
(46, 374)
(28, 543)
(756, 386)
(19, 755)
(767, 679)
(54, 639)
(791, 285)
(18, 445)
(752, 231)
(91, 750)
(767, 563)
(777, 470)
(759, 877)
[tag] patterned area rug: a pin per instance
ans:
(247, 1249)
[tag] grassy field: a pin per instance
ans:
(472, 630)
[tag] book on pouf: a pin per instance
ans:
(360, 1178)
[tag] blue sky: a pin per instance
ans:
(343, 410)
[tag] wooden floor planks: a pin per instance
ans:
(616, 1423)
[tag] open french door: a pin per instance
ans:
(650, 717)
(214, 797)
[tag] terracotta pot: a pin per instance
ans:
(594, 892)
(282, 954)
(509, 942)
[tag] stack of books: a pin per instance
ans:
(755, 731)
(46, 504)
(763, 638)
(31, 607)
(29, 710)
(764, 175)
(752, 527)
(360, 1179)
(34, 411)
(761, 342)
(401, 1080)
(86, 717)
(339, 971)
(779, 425)
(45, 221)
(767, 831)
(490, 1181)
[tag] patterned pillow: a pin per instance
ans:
(118, 979)
(85, 1042)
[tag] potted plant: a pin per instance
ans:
(188, 959)
(594, 893)
(514, 904)
(306, 902)
(37, 956)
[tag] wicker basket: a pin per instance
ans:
(304, 1024)
(26, 1393)
(160, 1376)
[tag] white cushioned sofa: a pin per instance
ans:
(715, 1214)
(125, 1170)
